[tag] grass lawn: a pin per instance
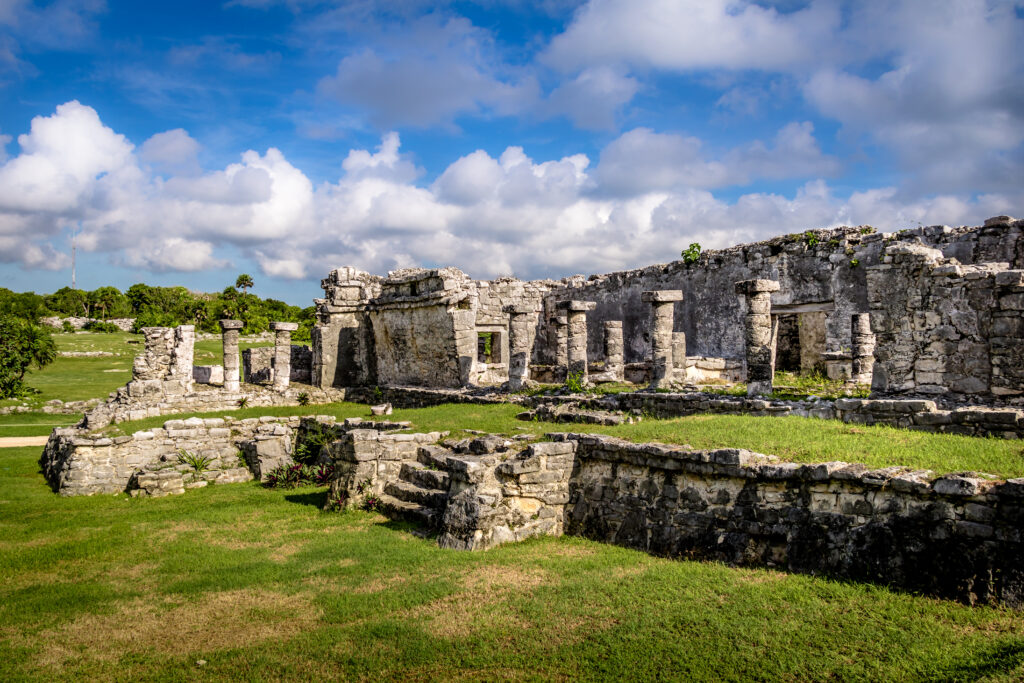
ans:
(81, 378)
(260, 584)
(795, 439)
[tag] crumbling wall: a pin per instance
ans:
(77, 463)
(424, 328)
(257, 364)
(813, 267)
(165, 366)
(952, 536)
(343, 351)
(943, 328)
(817, 266)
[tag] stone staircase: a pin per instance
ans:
(421, 491)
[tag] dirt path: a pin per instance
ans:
(18, 441)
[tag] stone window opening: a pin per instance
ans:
(799, 340)
(488, 347)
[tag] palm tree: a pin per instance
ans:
(244, 282)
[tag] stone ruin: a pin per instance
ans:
(932, 312)
(932, 315)
(932, 318)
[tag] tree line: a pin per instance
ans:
(25, 344)
(161, 307)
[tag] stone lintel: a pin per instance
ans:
(518, 309)
(752, 287)
(999, 220)
(576, 306)
(662, 295)
(231, 325)
(284, 327)
(612, 323)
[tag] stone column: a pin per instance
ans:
(576, 342)
(561, 342)
(662, 319)
(229, 329)
(863, 348)
(521, 327)
(613, 349)
(282, 354)
(758, 334)
(679, 350)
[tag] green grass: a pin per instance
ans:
(78, 379)
(260, 584)
(794, 439)
(34, 424)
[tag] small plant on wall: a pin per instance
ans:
(692, 253)
(574, 383)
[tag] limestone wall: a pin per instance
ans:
(78, 323)
(343, 353)
(495, 500)
(814, 267)
(952, 536)
(943, 328)
(257, 364)
(811, 268)
(76, 463)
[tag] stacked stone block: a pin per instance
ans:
(165, 366)
(282, 353)
(576, 342)
(614, 366)
(757, 334)
(862, 352)
(229, 339)
(522, 325)
(662, 321)
(943, 328)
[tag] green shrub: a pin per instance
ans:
(101, 326)
(575, 384)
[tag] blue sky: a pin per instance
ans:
(184, 143)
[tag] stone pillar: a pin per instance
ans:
(613, 349)
(576, 342)
(561, 342)
(758, 334)
(863, 348)
(663, 304)
(282, 354)
(521, 328)
(230, 330)
(679, 350)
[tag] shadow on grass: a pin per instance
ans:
(317, 499)
(1001, 659)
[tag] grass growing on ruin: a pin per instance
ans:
(261, 585)
(794, 439)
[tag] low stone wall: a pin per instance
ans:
(124, 406)
(123, 324)
(77, 463)
(924, 415)
(955, 536)
(419, 397)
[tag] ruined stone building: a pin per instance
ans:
(933, 311)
